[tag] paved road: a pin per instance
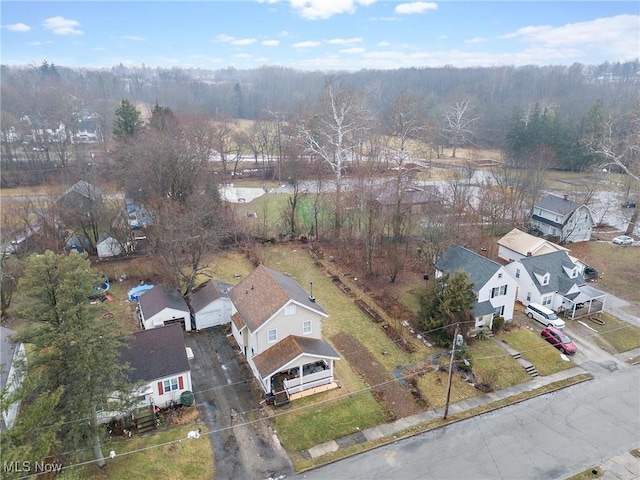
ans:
(548, 437)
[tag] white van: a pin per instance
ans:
(543, 315)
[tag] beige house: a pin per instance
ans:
(278, 327)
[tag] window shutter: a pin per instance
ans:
(160, 388)
(180, 383)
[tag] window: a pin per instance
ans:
(272, 335)
(500, 275)
(306, 327)
(498, 311)
(517, 273)
(495, 291)
(528, 296)
(546, 300)
(170, 385)
(290, 310)
(503, 290)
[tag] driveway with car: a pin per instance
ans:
(244, 444)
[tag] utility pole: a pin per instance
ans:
(453, 351)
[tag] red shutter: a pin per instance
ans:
(180, 383)
(160, 388)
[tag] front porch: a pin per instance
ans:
(311, 377)
(587, 301)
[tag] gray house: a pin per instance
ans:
(563, 218)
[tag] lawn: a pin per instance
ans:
(535, 350)
(494, 366)
(620, 335)
(166, 454)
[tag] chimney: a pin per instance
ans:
(483, 252)
(566, 197)
(528, 254)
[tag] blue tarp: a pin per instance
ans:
(135, 292)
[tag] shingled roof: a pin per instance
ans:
(206, 293)
(480, 269)
(290, 348)
(553, 264)
(160, 297)
(156, 353)
(556, 204)
(265, 291)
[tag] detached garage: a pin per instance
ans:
(210, 305)
(163, 305)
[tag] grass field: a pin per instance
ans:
(535, 350)
(615, 333)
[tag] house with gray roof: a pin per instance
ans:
(278, 327)
(494, 286)
(563, 218)
(555, 281)
(11, 373)
(163, 305)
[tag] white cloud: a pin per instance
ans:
(615, 36)
(383, 44)
(232, 40)
(415, 7)
(35, 44)
(18, 27)
(62, 26)
(323, 9)
(271, 43)
(307, 44)
(134, 38)
(344, 41)
(475, 40)
(353, 50)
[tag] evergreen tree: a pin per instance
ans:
(443, 304)
(127, 120)
(70, 352)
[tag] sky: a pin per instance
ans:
(324, 35)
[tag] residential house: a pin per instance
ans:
(555, 281)
(163, 305)
(108, 246)
(410, 198)
(494, 286)
(82, 197)
(517, 244)
(159, 368)
(278, 327)
(88, 130)
(210, 305)
(11, 375)
(563, 218)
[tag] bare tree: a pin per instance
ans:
(458, 125)
(329, 134)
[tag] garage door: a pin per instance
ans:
(209, 319)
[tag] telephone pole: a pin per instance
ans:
(453, 351)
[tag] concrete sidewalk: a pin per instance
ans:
(391, 431)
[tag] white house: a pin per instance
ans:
(108, 246)
(163, 305)
(494, 286)
(555, 281)
(278, 327)
(563, 218)
(11, 374)
(210, 305)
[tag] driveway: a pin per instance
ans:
(243, 441)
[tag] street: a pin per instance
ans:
(547, 437)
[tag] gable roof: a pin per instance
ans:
(413, 194)
(290, 348)
(524, 243)
(7, 351)
(86, 189)
(556, 204)
(160, 297)
(479, 268)
(265, 291)
(156, 353)
(207, 293)
(552, 263)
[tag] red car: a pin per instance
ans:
(559, 339)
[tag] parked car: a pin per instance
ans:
(544, 315)
(590, 273)
(628, 204)
(559, 340)
(623, 240)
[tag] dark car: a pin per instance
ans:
(629, 205)
(590, 273)
(559, 339)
